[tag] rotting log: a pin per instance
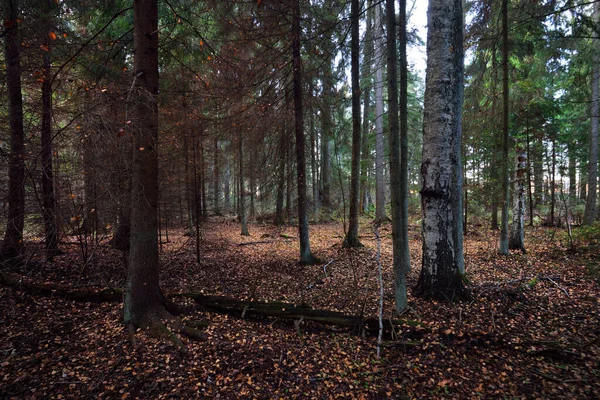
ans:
(219, 304)
(244, 309)
(52, 289)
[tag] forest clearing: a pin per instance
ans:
(532, 329)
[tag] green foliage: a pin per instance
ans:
(588, 235)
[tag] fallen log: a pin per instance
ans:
(282, 310)
(52, 289)
(220, 304)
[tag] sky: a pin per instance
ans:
(417, 19)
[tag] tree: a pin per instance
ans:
(380, 214)
(398, 140)
(503, 249)
(306, 256)
(145, 305)
(242, 196)
(351, 239)
(442, 273)
(592, 170)
(13, 236)
(517, 234)
(48, 201)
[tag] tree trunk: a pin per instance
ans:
(281, 178)
(517, 235)
(306, 256)
(326, 134)
(443, 271)
(398, 141)
(529, 187)
(592, 169)
(538, 169)
(366, 161)
(144, 306)
(226, 187)
(351, 239)
(503, 248)
(313, 166)
(13, 236)
(49, 204)
(217, 184)
(242, 190)
(380, 213)
(553, 185)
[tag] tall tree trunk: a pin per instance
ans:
(572, 168)
(351, 239)
(281, 178)
(145, 306)
(503, 247)
(189, 190)
(313, 167)
(13, 236)
(398, 142)
(443, 270)
(529, 187)
(306, 256)
(517, 235)
(49, 204)
(366, 161)
(242, 190)
(202, 172)
(592, 169)
(538, 168)
(226, 186)
(380, 213)
(217, 184)
(553, 185)
(326, 135)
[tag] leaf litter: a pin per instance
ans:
(531, 331)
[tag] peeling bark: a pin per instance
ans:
(442, 272)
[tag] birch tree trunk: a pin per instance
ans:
(517, 235)
(443, 271)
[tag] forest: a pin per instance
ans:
(280, 199)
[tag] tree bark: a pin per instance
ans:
(380, 213)
(351, 239)
(13, 236)
(144, 306)
(326, 134)
(281, 177)
(443, 271)
(48, 201)
(242, 190)
(517, 235)
(398, 154)
(217, 184)
(366, 161)
(592, 169)
(306, 256)
(503, 246)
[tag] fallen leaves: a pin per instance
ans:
(514, 340)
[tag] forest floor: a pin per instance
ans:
(532, 329)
